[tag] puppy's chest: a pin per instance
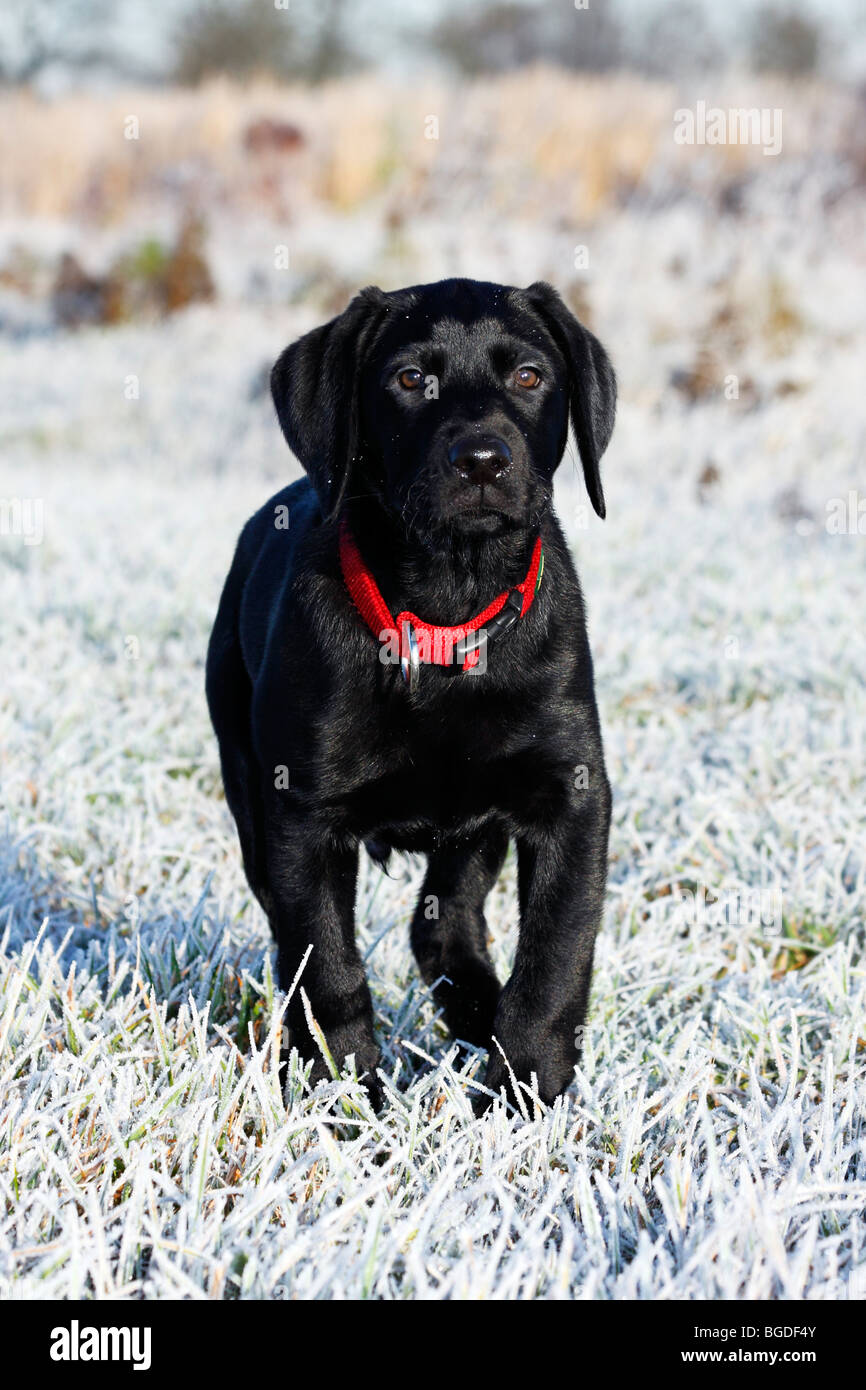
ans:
(444, 778)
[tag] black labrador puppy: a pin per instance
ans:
(400, 658)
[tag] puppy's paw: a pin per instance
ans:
(545, 1070)
(366, 1059)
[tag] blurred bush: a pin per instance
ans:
(150, 281)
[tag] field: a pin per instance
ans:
(712, 1145)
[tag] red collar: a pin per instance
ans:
(423, 642)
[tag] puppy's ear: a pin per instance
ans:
(593, 384)
(315, 385)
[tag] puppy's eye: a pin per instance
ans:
(410, 378)
(528, 378)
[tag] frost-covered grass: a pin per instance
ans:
(714, 1142)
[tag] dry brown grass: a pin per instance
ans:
(538, 140)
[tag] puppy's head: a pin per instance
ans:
(450, 402)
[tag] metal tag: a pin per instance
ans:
(410, 664)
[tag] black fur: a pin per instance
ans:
(468, 761)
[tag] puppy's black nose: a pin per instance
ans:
(480, 459)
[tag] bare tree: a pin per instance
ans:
(77, 35)
(784, 41)
(507, 34)
(220, 36)
(674, 39)
(242, 37)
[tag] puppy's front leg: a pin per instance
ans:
(562, 869)
(450, 944)
(312, 879)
